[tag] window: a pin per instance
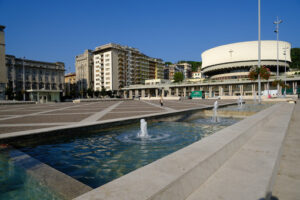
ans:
(107, 69)
(107, 78)
(107, 64)
(106, 60)
(106, 55)
(107, 73)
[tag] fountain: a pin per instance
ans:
(215, 117)
(240, 102)
(143, 133)
(119, 150)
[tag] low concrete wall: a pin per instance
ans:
(158, 98)
(96, 100)
(263, 98)
(178, 175)
(230, 113)
(16, 102)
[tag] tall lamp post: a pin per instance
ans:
(259, 54)
(23, 79)
(284, 53)
(277, 22)
(82, 84)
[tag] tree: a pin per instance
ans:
(9, 91)
(83, 92)
(295, 56)
(103, 92)
(19, 96)
(73, 88)
(168, 63)
(97, 93)
(90, 92)
(263, 71)
(109, 93)
(178, 77)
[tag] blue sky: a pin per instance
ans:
(58, 30)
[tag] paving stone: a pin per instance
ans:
(43, 118)
(20, 128)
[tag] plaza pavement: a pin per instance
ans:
(26, 117)
(287, 183)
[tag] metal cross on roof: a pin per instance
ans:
(230, 51)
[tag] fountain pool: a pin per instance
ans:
(15, 183)
(96, 159)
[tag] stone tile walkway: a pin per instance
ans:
(14, 118)
(287, 183)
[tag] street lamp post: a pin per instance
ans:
(277, 22)
(284, 53)
(23, 79)
(81, 81)
(259, 54)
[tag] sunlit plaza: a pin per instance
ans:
(149, 100)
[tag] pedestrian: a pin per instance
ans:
(161, 101)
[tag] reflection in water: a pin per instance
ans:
(15, 183)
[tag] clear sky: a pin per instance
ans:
(58, 30)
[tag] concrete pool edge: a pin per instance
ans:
(178, 175)
(61, 184)
(68, 129)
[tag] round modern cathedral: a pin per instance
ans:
(233, 61)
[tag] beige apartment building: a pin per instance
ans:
(42, 81)
(116, 66)
(185, 68)
(84, 70)
(70, 84)
(3, 77)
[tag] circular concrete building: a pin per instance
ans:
(235, 60)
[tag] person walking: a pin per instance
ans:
(161, 101)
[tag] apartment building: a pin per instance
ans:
(185, 68)
(116, 66)
(84, 67)
(35, 80)
(70, 84)
(196, 75)
(3, 78)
